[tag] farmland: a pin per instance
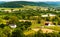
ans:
(29, 20)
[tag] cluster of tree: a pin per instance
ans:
(7, 31)
(30, 14)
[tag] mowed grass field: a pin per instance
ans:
(57, 28)
(35, 25)
(49, 28)
(11, 8)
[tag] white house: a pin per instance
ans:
(12, 26)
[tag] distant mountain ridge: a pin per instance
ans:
(54, 4)
(18, 4)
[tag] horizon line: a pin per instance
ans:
(31, 1)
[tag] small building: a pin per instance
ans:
(13, 25)
(47, 23)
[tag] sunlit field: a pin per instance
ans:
(29, 19)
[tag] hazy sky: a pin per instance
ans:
(30, 0)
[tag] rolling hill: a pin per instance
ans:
(18, 4)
